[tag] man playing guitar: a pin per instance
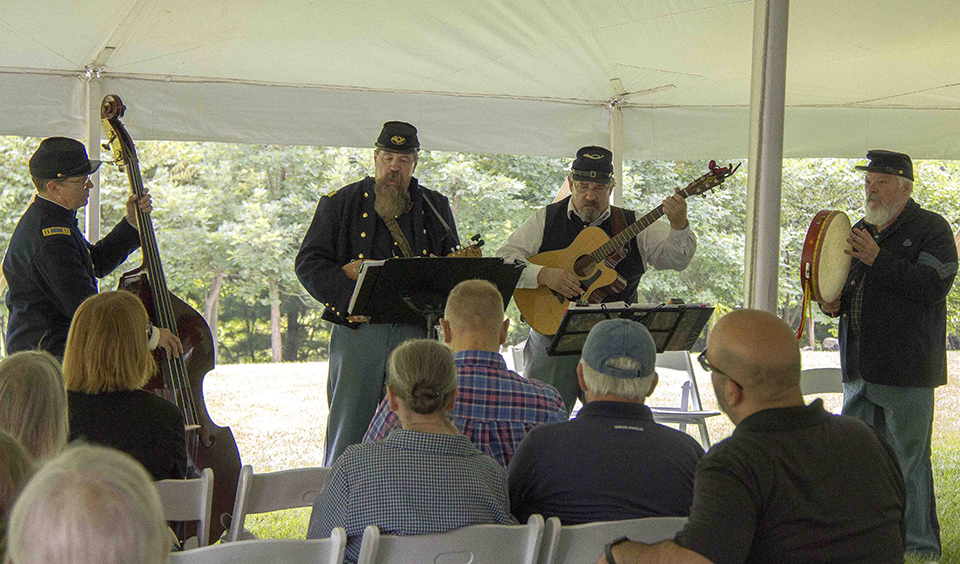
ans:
(557, 225)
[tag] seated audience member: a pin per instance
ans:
(89, 505)
(423, 478)
(613, 461)
(33, 403)
(15, 469)
(106, 363)
(793, 484)
(495, 406)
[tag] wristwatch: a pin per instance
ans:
(608, 550)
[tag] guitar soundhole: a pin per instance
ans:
(584, 266)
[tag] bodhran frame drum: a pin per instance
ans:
(823, 263)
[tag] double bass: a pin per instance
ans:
(178, 379)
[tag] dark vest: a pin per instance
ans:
(559, 231)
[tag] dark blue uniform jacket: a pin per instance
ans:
(346, 227)
(902, 341)
(50, 269)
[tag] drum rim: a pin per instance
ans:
(810, 255)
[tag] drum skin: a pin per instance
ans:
(823, 263)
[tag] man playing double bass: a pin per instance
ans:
(557, 225)
(49, 266)
(389, 215)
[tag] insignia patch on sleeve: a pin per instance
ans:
(56, 231)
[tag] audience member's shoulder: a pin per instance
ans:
(681, 438)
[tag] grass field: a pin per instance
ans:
(278, 414)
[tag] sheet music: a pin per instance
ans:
(363, 272)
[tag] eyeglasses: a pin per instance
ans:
(707, 366)
(81, 180)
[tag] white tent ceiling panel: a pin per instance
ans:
(528, 77)
(42, 105)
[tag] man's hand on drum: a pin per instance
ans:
(832, 309)
(675, 208)
(864, 247)
(560, 281)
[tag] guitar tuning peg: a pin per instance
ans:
(105, 146)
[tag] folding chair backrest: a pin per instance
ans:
(503, 544)
(576, 544)
(821, 381)
(189, 500)
(274, 491)
(324, 551)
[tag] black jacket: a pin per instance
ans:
(346, 227)
(50, 269)
(903, 322)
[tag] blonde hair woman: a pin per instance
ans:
(424, 478)
(106, 363)
(33, 402)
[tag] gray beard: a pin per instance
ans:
(878, 214)
(391, 202)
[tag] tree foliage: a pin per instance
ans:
(230, 218)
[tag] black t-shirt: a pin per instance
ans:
(612, 462)
(139, 423)
(798, 485)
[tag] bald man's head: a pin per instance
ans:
(475, 306)
(758, 351)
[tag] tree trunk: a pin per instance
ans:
(276, 343)
(813, 336)
(291, 343)
(211, 309)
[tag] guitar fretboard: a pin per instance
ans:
(698, 186)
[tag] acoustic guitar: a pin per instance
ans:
(592, 258)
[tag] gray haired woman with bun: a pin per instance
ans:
(423, 478)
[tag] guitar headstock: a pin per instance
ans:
(711, 180)
(118, 140)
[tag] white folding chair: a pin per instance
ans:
(189, 500)
(286, 551)
(502, 544)
(273, 491)
(577, 544)
(821, 381)
(690, 410)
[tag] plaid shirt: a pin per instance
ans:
(495, 407)
(412, 483)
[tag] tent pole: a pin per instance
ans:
(616, 147)
(93, 96)
(765, 154)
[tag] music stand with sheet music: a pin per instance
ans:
(414, 290)
(674, 327)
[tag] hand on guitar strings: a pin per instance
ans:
(675, 208)
(146, 206)
(170, 343)
(864, 247)
(560, 281)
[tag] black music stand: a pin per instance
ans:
(674, 327)
(414, 290)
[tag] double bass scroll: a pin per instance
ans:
(179, 379)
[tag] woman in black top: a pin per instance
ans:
(106, 363)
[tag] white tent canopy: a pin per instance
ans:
(493, 76)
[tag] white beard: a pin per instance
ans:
(876, 213)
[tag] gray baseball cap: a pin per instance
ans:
(612, 338)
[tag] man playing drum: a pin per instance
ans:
(893, 328)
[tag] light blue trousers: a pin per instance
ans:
(558, 371)
(356, 382)
(904, 417)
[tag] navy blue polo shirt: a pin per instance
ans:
(612, 462)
